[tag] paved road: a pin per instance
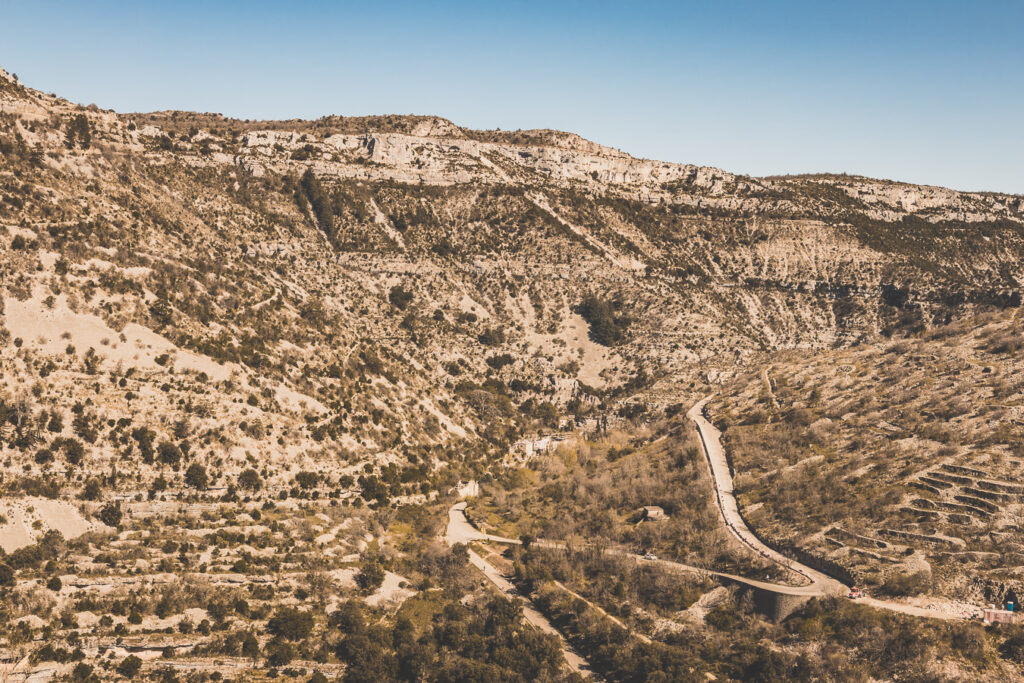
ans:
(820, 584)
(817, 583)
(461, 531)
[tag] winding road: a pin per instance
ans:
(460, 530)
(815, 583)
(818, 584)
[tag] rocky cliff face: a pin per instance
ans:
(416, 282)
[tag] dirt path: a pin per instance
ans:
(461, 531)
(614, 619)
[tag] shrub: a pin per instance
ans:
(907, 583)
(250, 646)
(144, 437)
(606, 327)
(400, 297)
(499, 361)
(250, 480)
(1013, 647)
(307, 480)
(91, 490)
(74, 451)
(78, 132)
(169, 453)
(129, 666)
(370, 577)
(279, 654)
(82, 673)
(196, 477)
(290, 623)
(969, 640)
(492, 337)
(110, 514)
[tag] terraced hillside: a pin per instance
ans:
(248, 366)
(901, 461)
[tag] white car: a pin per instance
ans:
(650, 556)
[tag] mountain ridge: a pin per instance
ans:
(573, 271)
(257, 363)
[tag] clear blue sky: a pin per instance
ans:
(924, 91)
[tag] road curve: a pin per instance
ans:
(460, 530)
(820, 584)
(817, 584)
(711, 440)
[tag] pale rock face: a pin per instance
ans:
(31, 517)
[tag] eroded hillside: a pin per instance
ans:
(341, 295)
(246, 366)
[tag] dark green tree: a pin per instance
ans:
(129, 666)
(169, 453)
(250, 480)
(370, 577)
(110, 514)
(290, 623)
(78, 132)
(196, 477)
(400, 297)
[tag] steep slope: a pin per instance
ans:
(374, 286)
(247, 364)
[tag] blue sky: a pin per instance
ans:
(929, 92)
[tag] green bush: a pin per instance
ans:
(400, 297)
(279, 653)
(110, 514)
(290, 623)
(196, 477)
(492, 337)
(129, 666)
(370, 577)
(169, 453)
(606, 326)
(250, 480)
